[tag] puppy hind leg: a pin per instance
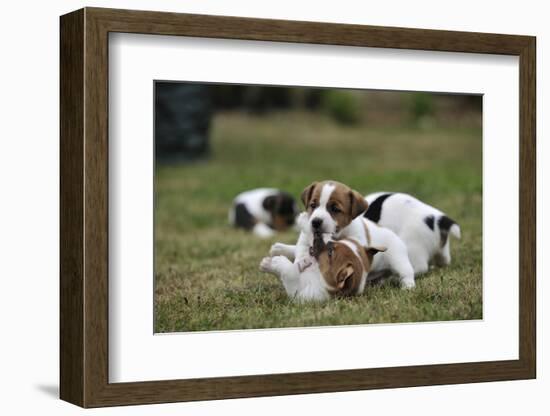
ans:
(418, 260)
(443, 257)
(267, 266)
(286, 271)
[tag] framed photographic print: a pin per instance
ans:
(256, 207)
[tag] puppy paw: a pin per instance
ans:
(407, 284)
(266, 266)
(277, 249)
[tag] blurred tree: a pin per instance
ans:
(182, 121)
(343, 106)
(421, 107)
(260, 99)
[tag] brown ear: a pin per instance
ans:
(371, 251)
(306, 194)
(358, 204)
(343, 275)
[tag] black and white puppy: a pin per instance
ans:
(263, 211)
(424, 229)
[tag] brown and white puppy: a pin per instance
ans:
(263, 211)
(344, 265)
(335, 209)
(322, 270)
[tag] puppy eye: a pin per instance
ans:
(335, 209)
(313, 205)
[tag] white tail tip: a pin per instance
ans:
(455, 231)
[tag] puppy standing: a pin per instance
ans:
(424, 229)
(335, 209)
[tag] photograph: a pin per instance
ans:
(294, 206)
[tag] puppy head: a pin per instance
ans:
(344, 264)
(331, 206)
(282, 208)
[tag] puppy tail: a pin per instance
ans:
(455, 231)
(447, 226)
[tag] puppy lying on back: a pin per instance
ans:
(322, 268)
(335, 209)
(263, 211)
(424, 229)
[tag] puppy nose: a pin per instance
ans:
(316, 223)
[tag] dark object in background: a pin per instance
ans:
(182, 121)
(257, 99)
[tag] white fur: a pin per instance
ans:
(394, 259)
(405, 215)
(263, 231)
(307, 284)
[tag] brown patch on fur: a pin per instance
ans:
(279, 222)
(342, 268)
(307, 194)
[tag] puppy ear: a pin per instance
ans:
(343, 275)
(306, 194)
(371, 251)
(358, 204)
(270, 203)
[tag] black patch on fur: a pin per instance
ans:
(243, 218)
(375, 209)
(444, 223)
(429, 221)
(269, 203)
(287, 205)
(281, 204)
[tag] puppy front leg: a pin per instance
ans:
(402, 267)
(263, 231)
(280, 249)
(286, 271)
(396, 258)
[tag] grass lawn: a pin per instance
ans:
(206, 272)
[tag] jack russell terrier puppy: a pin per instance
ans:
(424, 229)
(335, 209)
(263, 211)
(322, 267)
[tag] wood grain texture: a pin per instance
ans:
(71, 213)
(84, 207)
(527, 207)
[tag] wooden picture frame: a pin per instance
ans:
(84, 207)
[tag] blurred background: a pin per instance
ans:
(214, 141)
(184, 112)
